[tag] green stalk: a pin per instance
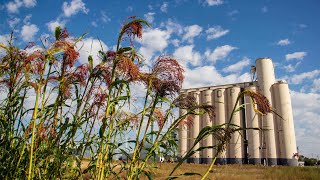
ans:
(104, 125)
(34, 118)
(148, 123)
(138, 133)
(110, 132)
(45, 87)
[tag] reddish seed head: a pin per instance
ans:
(70, 56)
(81, 73)
(53, 78)
(159, 117)
(100, 97)
(103, 71)
(64, 34)
(188, 120)
(166, 76)
(35, 62)
(262, 102)
(30, 45)
(128, 69)
(133, 29)
(185, 101)
(110, 55)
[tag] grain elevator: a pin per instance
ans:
(274, 144)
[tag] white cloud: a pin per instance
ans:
(186, 55)
(315, 85)
(138, 92)
(53, 24)
(164, 7)
(232, 13)
(30, 3)
(129, 9)
(33, 49)
(153, 40)
(296, 55)
(172, 27)
(214, 2)
(264, 9)
(14, 6)
(216, 32)
(191, 32)
(74, 7)
(306, 117)
(44, 38)
(298, 78)
(28, 32)
(209, 76)
(290, 67)
(201, 76)
(4, 39)
(104, 17)
(91, 46)
(283, 42)
(13, 22)
(26, 20)
(94, 24)
(150, 7)
(219, 53)
(302, 26)
(149, 17)
(237, 67)
(175, 42)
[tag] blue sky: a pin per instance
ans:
(216, 40)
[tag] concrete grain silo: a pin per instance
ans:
(287, 138)
(273, 144)
(235, 149)
(195, 129)
(252, 120)
(206, 99)
(265, 75)
(183, 136)
(220, 118)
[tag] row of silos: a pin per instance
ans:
(274, 144)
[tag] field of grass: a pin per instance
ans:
(249, 172)
(233, 172)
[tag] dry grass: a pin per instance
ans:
(232, 172)
(229, 172)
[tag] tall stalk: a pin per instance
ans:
(101, 156)
(34, 118)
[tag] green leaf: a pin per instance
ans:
(79, 38)
(130, 141)
(184, 174)
(125, 49)
(90, 168)
(147, 173)
(126, 153)
(57, 32)
(90, 60)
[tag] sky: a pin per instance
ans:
(216, 41)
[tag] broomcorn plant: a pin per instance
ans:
(58, 110)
